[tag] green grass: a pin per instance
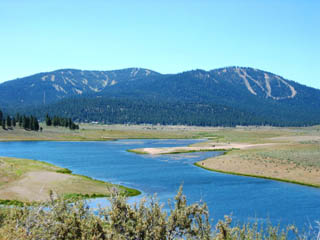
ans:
(129, 192)
(136, 151)
(12, 203)
(64, 170)
(80, 196)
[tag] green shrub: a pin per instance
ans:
(64, 170)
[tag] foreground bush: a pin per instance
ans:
(59, 219)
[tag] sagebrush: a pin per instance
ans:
(61, 220)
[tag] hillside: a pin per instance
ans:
(49, 87)
(226, 96)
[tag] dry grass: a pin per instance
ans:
(292, 162)
(91, 132)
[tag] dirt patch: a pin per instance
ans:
(296, 138)
(33, 186)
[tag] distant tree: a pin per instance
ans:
(20, 121)
(48, 120)
(3, 123)
(17, 117)
(60, 121)
(8, 121)
(14, 122)
(1, 117)
(36, 124)
(26, 122)
(69, 123)
(56, 121)
(32, 123)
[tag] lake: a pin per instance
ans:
(247, 199)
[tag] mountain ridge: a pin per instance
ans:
(241, 90)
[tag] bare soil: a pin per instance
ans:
(34, 186)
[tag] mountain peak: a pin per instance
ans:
(258, 82)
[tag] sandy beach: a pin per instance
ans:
(208, 147)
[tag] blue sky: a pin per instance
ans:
(280, 36)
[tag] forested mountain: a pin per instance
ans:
(226, 96)
(49, 87)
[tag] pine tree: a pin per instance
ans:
(8, 121)
(1, 117)
(56, 121)
(20, 121)
(17, 117)
(13, 122)
(3, 123)
(69, 123)
(48, 120)
(36, 124)
(25, 122)
(31, 125)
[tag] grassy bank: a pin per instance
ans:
(28, 181)
(290, 162)
(257, 176)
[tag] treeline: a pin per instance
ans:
(60, 121)
(113, 110)
(131, 110)
(26, 122)
(31, 122)
(136, 111)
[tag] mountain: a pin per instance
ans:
(232, 95)
(49, 87)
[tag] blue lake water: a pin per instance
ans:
(245, 198)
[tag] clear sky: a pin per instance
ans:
(280, 36)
